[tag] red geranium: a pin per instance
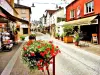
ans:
(38, 54)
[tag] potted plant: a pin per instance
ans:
(68, 31)
(39, 54)
(22, 38)
(61, 37)
(32, 37)
(57, 36)
(76, 38)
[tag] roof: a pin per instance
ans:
(22, 6)
(71, 3)
(51, 11)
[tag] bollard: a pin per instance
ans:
(54, 65)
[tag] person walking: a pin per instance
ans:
(16, 37)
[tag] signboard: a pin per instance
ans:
(94, 39)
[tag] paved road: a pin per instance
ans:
(74, 61)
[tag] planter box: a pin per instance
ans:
(68, 39)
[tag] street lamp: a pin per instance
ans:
(33, 5)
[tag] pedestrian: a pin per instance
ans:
(16, 37)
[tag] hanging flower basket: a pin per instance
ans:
(38, 54)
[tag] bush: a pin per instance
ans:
(22, 37)
(68, 30)
(57, 35)
(32, 37)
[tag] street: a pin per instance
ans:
(71, 61)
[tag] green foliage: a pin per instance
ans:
(76, 38)
(33, 35)
(22, 37)
(57, 35)
(68, 30)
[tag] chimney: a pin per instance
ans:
(18, 1)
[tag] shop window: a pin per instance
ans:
(72, 13)
(18, 29)
(25, 30)
(89, 7)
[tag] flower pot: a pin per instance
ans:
(76, 43)
(68, 39)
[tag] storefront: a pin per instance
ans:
(88, 26)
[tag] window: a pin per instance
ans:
(23, 11)
(72, 13)
(18, 29)
(78, 12)
(89, 7)
(25, 30)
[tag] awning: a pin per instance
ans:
(3, 15)
(83, 21)
(13, 18)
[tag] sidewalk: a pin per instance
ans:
(89, 47)
(92, 48)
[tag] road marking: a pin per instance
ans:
(12, 62)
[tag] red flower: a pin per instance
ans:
(48, 49)
(56, 46)
(45, 52)
(42, 54)
(39, 46)
(24, 48)
(32, 54)
(41, 60)
(50, 41)
(41, 68)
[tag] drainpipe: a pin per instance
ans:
(98, 30)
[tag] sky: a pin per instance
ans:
(42, 5)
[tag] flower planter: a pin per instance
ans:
(39, 54)
(68, 39)
(76, 43)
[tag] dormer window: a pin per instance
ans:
(72, 13)
(89, 7)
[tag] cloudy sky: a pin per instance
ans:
(42, 5)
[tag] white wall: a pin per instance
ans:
(59, 13)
